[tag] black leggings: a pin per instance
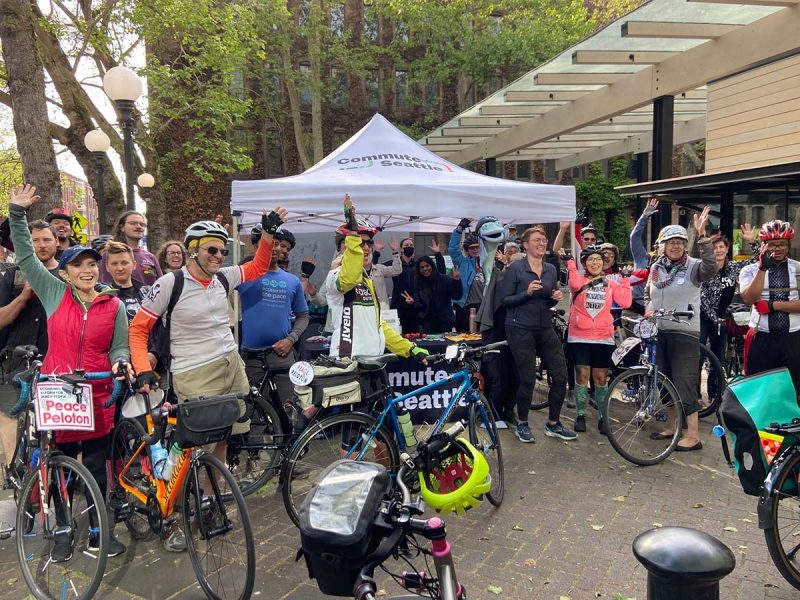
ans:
(525, 344)
(94, 455)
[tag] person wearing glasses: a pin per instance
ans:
(171, 256)
(771, 287)
(205, 359)
(130, 230)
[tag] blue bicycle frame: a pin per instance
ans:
(465, 390)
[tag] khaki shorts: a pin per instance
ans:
(225, 375)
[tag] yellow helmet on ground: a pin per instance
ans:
(456, 479)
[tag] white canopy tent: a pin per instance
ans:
(397, 184)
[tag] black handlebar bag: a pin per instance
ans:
(337, 523)
(204, 420)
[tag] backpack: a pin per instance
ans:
(161, 330)
(749, 405)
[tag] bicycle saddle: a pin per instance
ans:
(375, 363)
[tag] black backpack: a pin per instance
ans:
(160, 333)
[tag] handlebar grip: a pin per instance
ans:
(159, 416)
(684, 313)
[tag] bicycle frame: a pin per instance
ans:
(390, 412)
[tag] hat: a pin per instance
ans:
(71, 254)
(58, 213)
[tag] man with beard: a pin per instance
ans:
(61, 222)
(23, 321)
(274, 315)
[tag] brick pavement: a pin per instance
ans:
(539, 545)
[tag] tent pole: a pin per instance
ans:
(237, 256)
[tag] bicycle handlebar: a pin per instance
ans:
(467, 351)
(673, 315)
(25, 379)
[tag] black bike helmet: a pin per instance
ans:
(286, 235)
(588, 251)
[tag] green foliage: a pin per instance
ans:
(10, 175)
(604, 205)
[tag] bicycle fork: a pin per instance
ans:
(441, 551)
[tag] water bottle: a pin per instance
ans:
(172, 459)
(158, 456)
(35, 458)
(404, 419)
(473, 320)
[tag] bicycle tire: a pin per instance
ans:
(710, 402)
(320, 445)
(788, 504)
(37, 567)
(208, 520)
(266, 430)
(125, 441)
(484, 436)
(625, 416)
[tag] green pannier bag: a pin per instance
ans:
(750, 405)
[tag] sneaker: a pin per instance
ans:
(62, 546)
(559, 431)
(580, 423)
(115, 547)
(173, 538)
(524, 433)
(570, 399)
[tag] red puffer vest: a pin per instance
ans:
(81, 340)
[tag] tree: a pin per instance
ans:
(25, 80)
(606, 208)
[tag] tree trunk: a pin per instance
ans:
(315, 58)
(294, 105)
(29, 106)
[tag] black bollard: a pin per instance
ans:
(682, 563)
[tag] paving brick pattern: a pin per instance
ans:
(540, 544)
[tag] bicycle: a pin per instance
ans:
(212, 522)
(779, 502)
(62, 541)
(738, 319)
(541, 390)
(641, 398)
(362, 436)
(392, 531)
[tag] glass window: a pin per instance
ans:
(524, 170)
(305, 84)
(338, 88)
(550, 169)
(337, 18)
(432, 96)
(371, 23)
(372, 89)
(303, 9)
(401, 88)
(758, 215)
(274, 167)
(237, 84)
(401, 32)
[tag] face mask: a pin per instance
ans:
(408, 251)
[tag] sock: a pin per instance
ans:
(600, 392)
(581, 397)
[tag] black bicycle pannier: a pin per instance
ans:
(337, 523)
(206, 420)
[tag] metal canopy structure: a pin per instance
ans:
(595, 100)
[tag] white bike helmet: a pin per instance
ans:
(201, 229)
(671, 232)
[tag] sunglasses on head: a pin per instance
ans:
(213, 251)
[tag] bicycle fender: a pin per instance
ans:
(766, 516)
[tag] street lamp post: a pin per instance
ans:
(97, 142)
(123, 87)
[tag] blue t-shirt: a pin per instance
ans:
(267, 307)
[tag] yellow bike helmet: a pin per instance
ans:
(456, 478)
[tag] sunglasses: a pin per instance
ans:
(213, 251)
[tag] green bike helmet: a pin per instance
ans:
(456, 479)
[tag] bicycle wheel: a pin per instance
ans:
(541, 390)
(126, 441)
(327, 441)
(638, 408)
(64, 554)
(253, 457)
(218, 533)
(484, 436)
(713, 381)
(783, 535)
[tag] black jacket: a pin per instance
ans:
(434, 303)
(522, 310)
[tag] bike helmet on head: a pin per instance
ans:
(58, 213)
(343, 231)
(285, 234)
(456, 478)
(201, 229)
(255, 234)
(671, 232)
(100, 241)
(588, 229)
(609, 246)
(776, 230)
(588, 251)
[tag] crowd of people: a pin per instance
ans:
(168, 315)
